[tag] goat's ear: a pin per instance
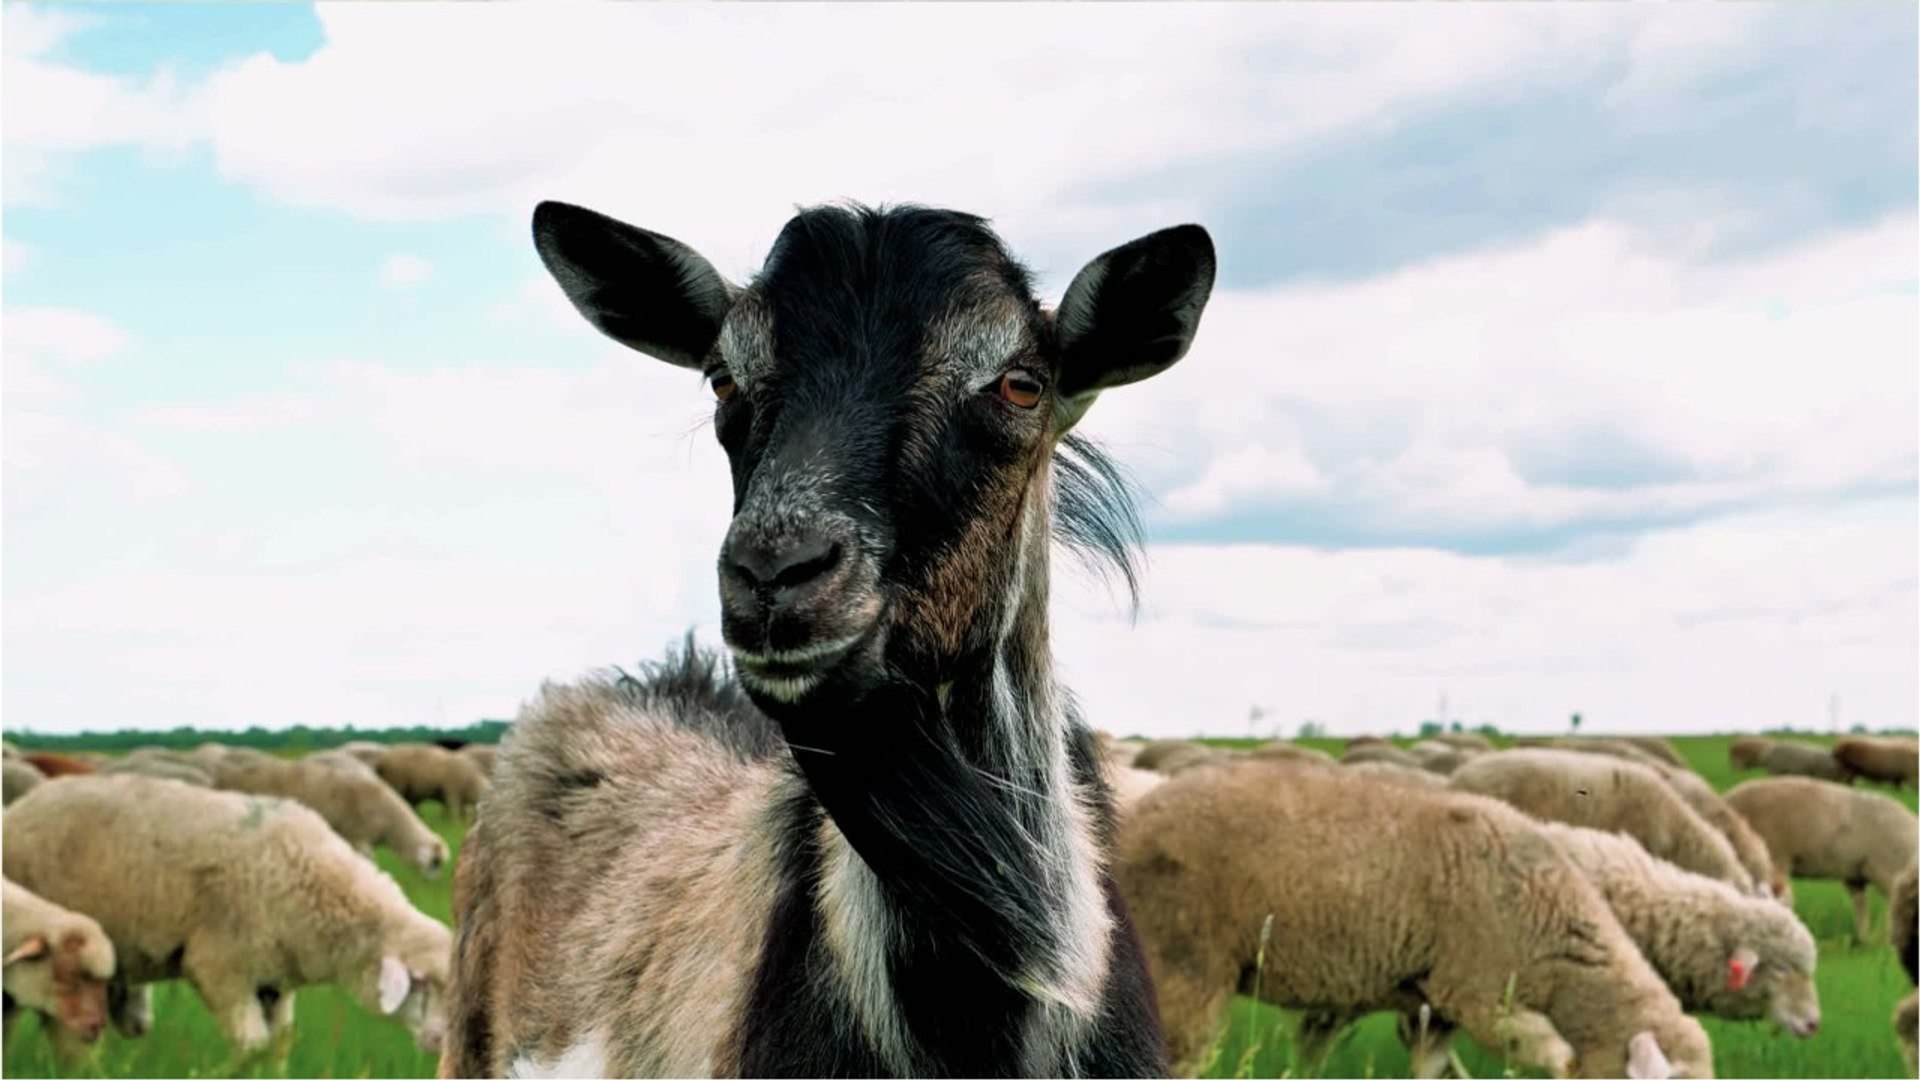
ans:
(646, 291)
(33, 946)
(1131, 312)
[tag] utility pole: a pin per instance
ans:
(1833, 712)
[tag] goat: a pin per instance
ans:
(882, 848)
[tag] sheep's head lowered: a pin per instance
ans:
(63, 972)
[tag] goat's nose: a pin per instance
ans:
(780, 567)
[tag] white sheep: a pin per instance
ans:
(1815, 829)
(1361, 902)
(1736, 956)
(1607, 793)
(358, 804)
(57, 963)
(247, 897)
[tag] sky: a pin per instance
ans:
(1562, 357)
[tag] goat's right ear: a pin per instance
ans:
(1131, 313)
(33, 946)
(646, 291)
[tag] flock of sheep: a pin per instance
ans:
(1568, 901)
(1565, 902)
(248, 875)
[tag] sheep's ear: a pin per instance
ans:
(1645, 1059)
(646, 291)
(394, 983)
(1130, 314)
(1740, 967)
(36, 945)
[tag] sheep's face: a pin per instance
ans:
(415, 998)
(431, 857)
(1782, 992)
(62, 980)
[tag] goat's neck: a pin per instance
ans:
(973, 844)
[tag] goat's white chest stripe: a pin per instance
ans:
(584, 1060)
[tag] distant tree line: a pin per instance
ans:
(298, 738)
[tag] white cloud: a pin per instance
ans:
(1744, 623)
(1472, 392)
(724, 126)
(42, 344)
(17, 256)
(55, 109)
(402, 270)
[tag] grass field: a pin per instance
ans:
(335, 1037)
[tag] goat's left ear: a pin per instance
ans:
(1131, 313)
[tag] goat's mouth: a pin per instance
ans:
(789, 674)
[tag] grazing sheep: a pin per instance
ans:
(1705, 801)
(1784, 758)
(1361, 903)
(1386, 752)
(1890, 761)
(163, 764)
(1159, 753)
(1814, 829)
(17, 778)
(1130, 785)
(1440, 758)
(1744, 751)
(1661, 748)
(247, 897)
(1903, 920)
(363, 749)
(57, 964)
(1471, 742)
(357, 804)
(54, 766)
(481, 754)
(1606, 793)
(1389, 773)
(421, 771)
(1906, 1026)
(1903, 928)
(1286, 751)
(1593, 744)
(1736, 956)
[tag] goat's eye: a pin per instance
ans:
(1021, 387)
(723, 385)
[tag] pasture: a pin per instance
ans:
(335, 1037)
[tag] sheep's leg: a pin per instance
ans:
(1319, 1030)
(232, 996)
(1523, 1034)
(1862, 914)
(130, 1008)
(1192, 1010)
(1428, 1038)
(280, 1026)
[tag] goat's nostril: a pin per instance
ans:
(812, 561)
(767, 567)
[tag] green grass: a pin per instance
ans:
(335, 1037)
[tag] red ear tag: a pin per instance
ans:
(1737, 975)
